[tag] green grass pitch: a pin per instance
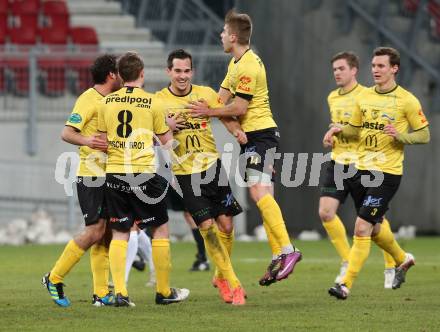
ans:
(299, 303)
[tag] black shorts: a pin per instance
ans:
(174, 201)
(372, 202)
(142, 203)
(213, 199)
(262, 145)
(90, 190)
(328, 184)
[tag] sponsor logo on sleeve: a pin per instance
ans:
(75, 118)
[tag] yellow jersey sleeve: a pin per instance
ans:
(82, 113)
(414, 114)
(247, 81)
(160, 125)
(213, 98)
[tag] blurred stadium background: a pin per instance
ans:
(47, 46)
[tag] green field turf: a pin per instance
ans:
(299, 303)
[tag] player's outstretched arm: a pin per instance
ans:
(200, 108)
(233, 126)
(73, 136)
(421, 136)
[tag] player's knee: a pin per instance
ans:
(226, 228)
(96, 232)
(206, 224)
(326, 214)
(258, 191)
(363, 228)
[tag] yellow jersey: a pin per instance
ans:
(84, 118)
(131, 117)
(373, 111)
(246, 78)
(341, 106)
(196, 150)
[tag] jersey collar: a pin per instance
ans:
(385, 92)
(341, 93)
(190, 90)
(235, 61)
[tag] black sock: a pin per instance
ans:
(201, 253)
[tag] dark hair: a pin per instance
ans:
(241, 25)
(351, 58)
(178, 54)
(130, 66)
(392, 53)
(102, 67)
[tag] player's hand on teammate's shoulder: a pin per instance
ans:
(97, 143)
(241, 137)
(390, 130)
(198, 108)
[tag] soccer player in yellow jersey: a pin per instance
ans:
(245, 94)
(341, 102)
(382, 118)
(129, 119)
(81, 130)
(206, 192)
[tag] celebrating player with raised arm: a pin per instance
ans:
(245, 94)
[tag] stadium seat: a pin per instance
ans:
(52, 80)
(4, 6)
(53, 36)
(17, 72)
(410, 6)
(84, 38)
(55, 22)
(79, 67)
(3, 28)
(434, 12)
(24, 35)
(21, 7)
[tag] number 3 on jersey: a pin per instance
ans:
(124, 129)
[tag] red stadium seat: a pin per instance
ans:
(410, 6)
(4, 6)
(18, 71)
(52, 80)
(21, 7)
(24, 35)
(84, 38)
(55, 22)
(53, 36)
(434, 12)
(79, 67)
(3, 28)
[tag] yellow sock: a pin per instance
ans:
(388, 259)
(385, 240)
(358, 255)
(272, 216)
(336, 232)
(274, 245)
(162, 263)
(117, 257)
(219, 255)
(227, 240)
(71, 255)
(100, 269)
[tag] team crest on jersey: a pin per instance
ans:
(75, 118)
(375, 114)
